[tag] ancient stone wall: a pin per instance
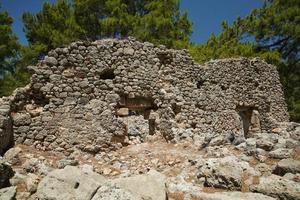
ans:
(6, 132)
(101, 95)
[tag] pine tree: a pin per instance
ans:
(9, 45)
(163, 23)
(53, 26)
(89, 15)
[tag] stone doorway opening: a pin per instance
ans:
(249, 118)
(137, 114)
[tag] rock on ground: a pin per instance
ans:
(278, 187)
(72, 183)
(8, 193)
(113, 192)
(12, 155)
(149, 186)
(281, 153)
(287, 166)
(224, 172)
(69, 183)
(233, 196)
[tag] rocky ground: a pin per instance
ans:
(264, 167)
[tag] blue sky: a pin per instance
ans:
(206, 15)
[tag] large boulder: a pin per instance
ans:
(111, 191)
(69, 183)
(224, 172)
(287, 166)
(278, 187)
(72, 183)
(281, 153)
(148, 186)
(12, 155)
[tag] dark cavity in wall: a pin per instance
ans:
(34, 97)
(164, 58)
(245, 113)
(137, 106)
(200, 83)
(107, 74)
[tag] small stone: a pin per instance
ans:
(106, 171)
(50, 60)
(128, 51)
(122, 112)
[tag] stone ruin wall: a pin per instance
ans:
(99, 96)
(6, 132)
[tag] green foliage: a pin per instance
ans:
(273, 33)
(163, 23)
(11, 81)
(119, 22)
(157, 21)
(53, 26)
(217, 47)
(9, 45)
(88, 15)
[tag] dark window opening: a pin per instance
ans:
(223, 87)
(194, 125)
(107, 74)
(176, 108)
(200, 83)
(164, 58)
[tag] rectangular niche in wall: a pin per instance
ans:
(135, 113)
(250, 121)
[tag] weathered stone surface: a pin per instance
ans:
(8, 193)
(37, 166)
(50, 61)
(233, 196)
(21, 119)
(65, 162)
(148, 186)
(12, 155)
(287, 166)
(123, 112)
(281, 153)
(72, 183)
(68, 184)
(278, 187)
(113, 192)
(6, 128)
(77, 94)
(31, 181)
(224, 172)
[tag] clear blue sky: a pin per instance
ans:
(206, 15)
